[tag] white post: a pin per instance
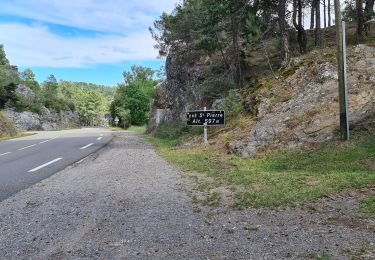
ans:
(345, 79)
(205, 131)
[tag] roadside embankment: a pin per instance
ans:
(7, 128)
(125, 202)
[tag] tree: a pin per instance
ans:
(329, 12)
(360, 18)
(28, 78)
(9, 80)
(90, 105)
(312, 19)
(53, 96)
(132, 102)
(284, 42)
(3, 58)
(368, 13)
(298, 24)
(318, 33)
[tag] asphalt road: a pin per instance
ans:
(28, 160)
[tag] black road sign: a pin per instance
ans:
(208, 117)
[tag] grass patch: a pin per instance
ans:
(172, 134)
(367, 205)
(286, 177)
(139, 130)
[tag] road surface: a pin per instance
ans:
(26, 161)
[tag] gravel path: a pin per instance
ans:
(127, 203)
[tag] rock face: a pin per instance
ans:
(186, 69)
(47, 120)
(27, 93)
(299, 107)
(302, 109)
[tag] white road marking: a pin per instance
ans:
(26, 147)
(48, 140)
(99, 138)
(5, 153)
(86, 146)
(46, 164)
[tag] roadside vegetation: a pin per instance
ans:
(133, 98)
(283, 177)
(367, 205)
(245, 43)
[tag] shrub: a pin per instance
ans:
(176, 133)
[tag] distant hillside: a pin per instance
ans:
(51, 105)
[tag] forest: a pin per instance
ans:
(130, 101)
(227, 30)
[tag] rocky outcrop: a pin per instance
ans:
(26, 93)
(302, 109)
(46, 120)
(186, 68)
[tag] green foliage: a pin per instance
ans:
(350, 13)
(285, 177)
(133, 99)
(231, 104)
(52, 95)
(8, 84)
(135, 96)
(214, 88)
(3, 59)
(90, 105)
(176, 133)
(367, 205)
(252, 29)
(124, 116)
(218, 68)
(28, 78)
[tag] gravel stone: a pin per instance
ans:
(125, 202)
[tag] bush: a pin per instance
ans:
(214, 88)
(176, 133)
(231, 104)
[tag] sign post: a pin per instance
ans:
(347, 135)
(205, 131)
(343, 101)
(205, 118)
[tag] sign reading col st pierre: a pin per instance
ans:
(205, 117)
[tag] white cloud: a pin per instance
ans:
(106, 16)
(120, 28)
(35, 46)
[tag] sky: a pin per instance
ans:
(81, 40)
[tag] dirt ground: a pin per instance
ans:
(125, 202)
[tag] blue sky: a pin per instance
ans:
(81, 40)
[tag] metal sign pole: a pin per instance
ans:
(347, 135)
(205, 130)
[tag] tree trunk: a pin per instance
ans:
(360, 18)
(318, 33)
(235, 38)
(312, 25)
(302, 37)
(283, 33)
(368, 14)
(324, 12)
(329, 13)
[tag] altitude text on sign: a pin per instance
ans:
(208, 117)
